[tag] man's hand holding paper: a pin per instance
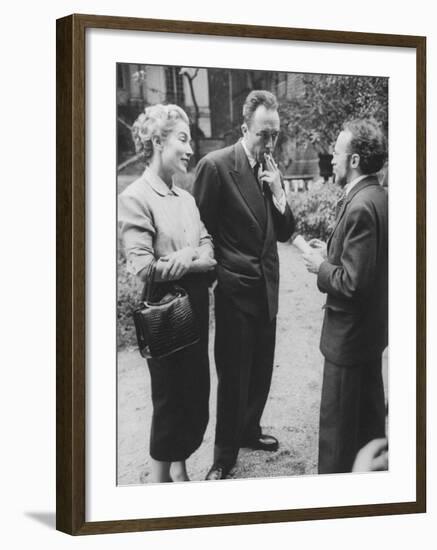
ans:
(313, 252)
(313, 260)
(319, 245)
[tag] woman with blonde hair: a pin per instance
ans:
(159, 222)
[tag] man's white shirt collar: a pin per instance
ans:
(251, 159)
(348, 187)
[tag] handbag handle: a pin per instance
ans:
(147, 293)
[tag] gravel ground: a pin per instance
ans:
(292, 410)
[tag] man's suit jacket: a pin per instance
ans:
(355, 277)
(245, 228)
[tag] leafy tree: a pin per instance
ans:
(328, 101)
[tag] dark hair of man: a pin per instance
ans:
(254, 100)
(369, 142)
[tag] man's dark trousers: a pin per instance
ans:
(352, 413)
(245, 226)
(244, 351)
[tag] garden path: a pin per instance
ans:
(292, 410)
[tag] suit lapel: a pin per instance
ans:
(370, 180)
(247, 185)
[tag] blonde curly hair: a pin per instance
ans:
(156, 120)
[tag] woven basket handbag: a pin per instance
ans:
(166, 324)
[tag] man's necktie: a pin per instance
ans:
(263, 185)
(339, 204)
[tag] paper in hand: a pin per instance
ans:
(301, 244)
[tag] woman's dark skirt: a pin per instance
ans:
(180, 387)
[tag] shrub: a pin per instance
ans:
(128, 295)
(314, 210)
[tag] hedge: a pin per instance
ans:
(314, 210)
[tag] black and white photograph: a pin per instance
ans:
(197, 352)
(252, 274)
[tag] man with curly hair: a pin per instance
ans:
(352, 269)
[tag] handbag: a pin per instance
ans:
(166, 323)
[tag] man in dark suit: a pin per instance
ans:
(242, 202)
(353, 271)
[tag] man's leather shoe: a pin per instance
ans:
(217, 471)
(262, 443)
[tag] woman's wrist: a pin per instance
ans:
(194, 253)
(202, 265)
